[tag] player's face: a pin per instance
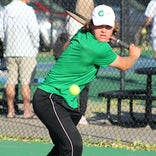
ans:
(102, 32)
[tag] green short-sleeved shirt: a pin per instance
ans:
(78, 64)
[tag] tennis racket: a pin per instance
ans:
(119, 42)
(138, 36)
(82, 20)
(77, 17)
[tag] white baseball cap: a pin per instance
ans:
(103, 15)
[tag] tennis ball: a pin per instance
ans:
(74, 89)
(143, 31)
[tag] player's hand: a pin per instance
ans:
(134, 51)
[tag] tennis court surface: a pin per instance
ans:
(20, 148)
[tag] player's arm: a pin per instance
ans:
(148, 21)
(66, 45)
(126, 62)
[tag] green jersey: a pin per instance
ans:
(78, 64)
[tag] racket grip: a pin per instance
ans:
(123, 44)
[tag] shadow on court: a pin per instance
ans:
(18, 148)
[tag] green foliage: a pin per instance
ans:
(136, 145)
(20, 138)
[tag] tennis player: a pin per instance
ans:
(88, 50)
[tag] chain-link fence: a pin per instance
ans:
(51, 17)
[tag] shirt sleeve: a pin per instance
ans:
(1, 26)
(33, 27)
(104, 55)
(150, 10)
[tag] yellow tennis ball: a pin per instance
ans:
(143, 31)
(74, 89)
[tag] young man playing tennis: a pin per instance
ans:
(88, 50)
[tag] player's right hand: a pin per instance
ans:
(134, 51)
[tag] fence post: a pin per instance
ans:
(124, 7)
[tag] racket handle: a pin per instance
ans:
(123, 44)
(119, 42)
